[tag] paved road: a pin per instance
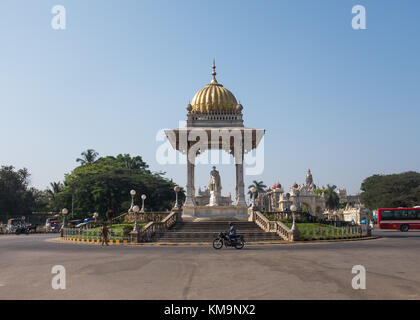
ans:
(301, 271)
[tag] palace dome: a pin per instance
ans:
(276, 186)
(213, 98)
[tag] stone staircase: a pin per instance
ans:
(207, 231)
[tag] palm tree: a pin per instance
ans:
(55, 188)
(259, 185)
(134, 163)
(88, 156)
(332, 201)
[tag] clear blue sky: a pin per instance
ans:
(344, 103)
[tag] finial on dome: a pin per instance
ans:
(239, 107)
(214, 72)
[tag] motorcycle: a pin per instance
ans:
(22, 229)
(237, 242)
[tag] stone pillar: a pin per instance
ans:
(240, 187)
(193, 182)
(294, 235)
(189, 199)
(134, 237)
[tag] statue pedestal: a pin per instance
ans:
(228, 212)
(215, 199)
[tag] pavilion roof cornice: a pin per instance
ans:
(224, 138)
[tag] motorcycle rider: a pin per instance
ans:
(232, 231)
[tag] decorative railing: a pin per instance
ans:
(272, 226)
(147, 216)
(148, 231)
(283, 231)
(261, 221)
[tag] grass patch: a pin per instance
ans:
(314, 231)
(119, 231)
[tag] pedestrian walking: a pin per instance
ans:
(104, 234)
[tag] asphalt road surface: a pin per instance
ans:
(285, 271)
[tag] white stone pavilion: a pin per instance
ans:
(214, 122)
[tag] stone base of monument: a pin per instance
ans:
(216, 212)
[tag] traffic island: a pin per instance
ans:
(249, 243)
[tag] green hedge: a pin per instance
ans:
(117, 231)
(310, 231)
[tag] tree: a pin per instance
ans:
(332, 201)
(319, 191)
(105, 185)
(55, 188)
(89, 156)
(135, 163)
(391, 191)
(259, 185)
(54, 203)
(16, 198)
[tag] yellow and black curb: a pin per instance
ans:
(125, 242)
(184, 244)
(98, 241)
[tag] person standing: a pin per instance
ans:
(104, 233)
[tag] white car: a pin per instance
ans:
(50, 224)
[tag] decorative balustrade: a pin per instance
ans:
(283, 231)
(272, 226)
(146, 216)
(148, 231)
(261, 221)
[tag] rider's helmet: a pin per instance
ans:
(230, 223)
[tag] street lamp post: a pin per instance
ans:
(253, 192)
(64, 212)
(95, 216)
(295, 231)
(143, 197)
(176, 189)
(293, 208)
(132, 193)
(136, 210)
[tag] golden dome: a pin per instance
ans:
(213, 97)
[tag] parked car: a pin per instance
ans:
(15, 224)
(52, 225)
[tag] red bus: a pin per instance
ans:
(402, 219)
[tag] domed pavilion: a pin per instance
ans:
(215, 122)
